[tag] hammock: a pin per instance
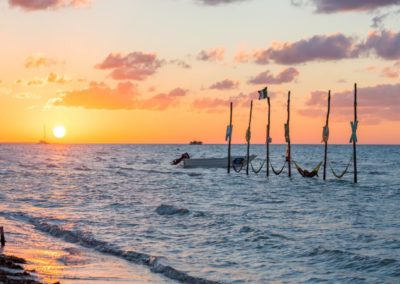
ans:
(238, 162)
(339, 176)
(306, 173)
(278, 172)
(259, 170)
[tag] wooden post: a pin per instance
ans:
(354, 142)
(2, 239)
(248, 138)
(289, 150)
(327, 125)
(268, 134)
(230, 139)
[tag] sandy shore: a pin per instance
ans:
(45, 259)
(12, 271)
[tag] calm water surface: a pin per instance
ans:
(239, 229)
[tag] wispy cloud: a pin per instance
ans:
(39, 60)
(219, 2)
(224, 85)
(285, 76)
(214, 54)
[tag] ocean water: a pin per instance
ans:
(231, 229)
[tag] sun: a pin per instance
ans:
(59, 131)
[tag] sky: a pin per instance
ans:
(165, 71)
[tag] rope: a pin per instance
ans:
(237, 170)
(305, 173)
(259, 170)
(278, 172)
(339, 176)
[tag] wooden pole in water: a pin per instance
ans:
(2, 238)
(268, 134)
(327, 125)
(289, 150)
(248, 138)
(355, 142)
(230, 139)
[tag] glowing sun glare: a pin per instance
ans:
(59, 131)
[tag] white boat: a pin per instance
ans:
(214, 162)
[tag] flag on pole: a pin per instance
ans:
(263, 94)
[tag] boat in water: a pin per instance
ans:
(196, 142)
(43, 141)
(236, 161)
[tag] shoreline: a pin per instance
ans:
(13, 272)
(40, 258)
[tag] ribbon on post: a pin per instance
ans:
(287, 137)
(248, 135)
(325, 134)
(354, 126)
(228, 134)
(269, 139)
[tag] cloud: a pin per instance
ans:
(124, 96)
(35, 82)
(219, 2)
(285, 76)
(180, 63)
(57, 79)
(218, 104)
(335, 6)
(214, 54)
(133, 66)
(316, 48)
(35, 5)
(223, 85)
(163, 101)
(38, 60)
(384, 43)
(377, 103)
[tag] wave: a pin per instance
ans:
(354, 261)
(156, 264)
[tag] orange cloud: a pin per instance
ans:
(124, 96)
(36, 61)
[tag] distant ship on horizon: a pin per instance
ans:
(194, 142)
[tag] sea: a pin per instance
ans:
(99, 211)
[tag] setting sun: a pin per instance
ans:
(59, 131)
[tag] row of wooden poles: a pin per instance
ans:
(268, 140)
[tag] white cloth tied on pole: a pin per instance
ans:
(228, 134)
(248, 135)
(287, 137)
(325, 134)
(354, 126)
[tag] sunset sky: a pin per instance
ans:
(164, 71)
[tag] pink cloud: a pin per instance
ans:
(285, 76)
(316, 48)
(133, 66)
(223, 85)
(377, 103)
(35, 5)
(384, 43)
(329, 6)
(214, 54)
